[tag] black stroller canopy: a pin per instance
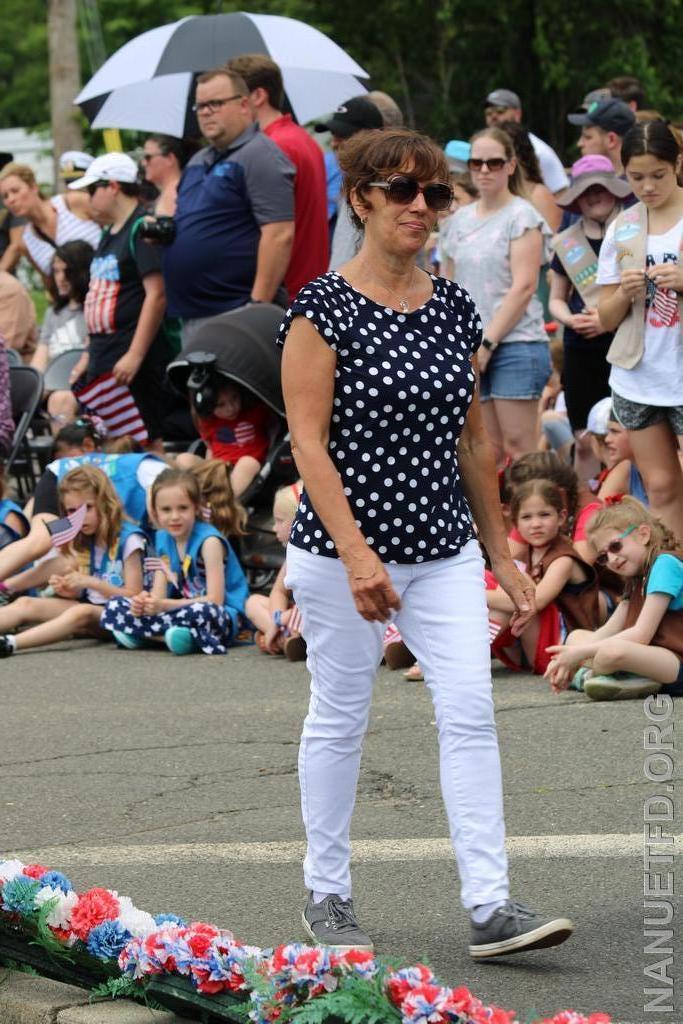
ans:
(243, 341)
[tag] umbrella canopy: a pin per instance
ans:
(148, 84)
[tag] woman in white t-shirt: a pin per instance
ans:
(641, 273)
(496, 245)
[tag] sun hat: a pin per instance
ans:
(592, 170)
(109, 167)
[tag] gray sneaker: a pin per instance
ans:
(621, 686)
(332, 922)
(514, 928)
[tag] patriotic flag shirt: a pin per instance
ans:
(656, 380)
(231, 440)
(116, 293)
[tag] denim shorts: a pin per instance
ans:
(634, 416)
(517, 370)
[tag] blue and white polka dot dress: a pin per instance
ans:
(403, 385)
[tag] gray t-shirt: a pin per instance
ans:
(480, 250)
(63, 330)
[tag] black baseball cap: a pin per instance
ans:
(612, 115)
(351, 117)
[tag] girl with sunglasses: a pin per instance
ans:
(496, 245)
(639, 650)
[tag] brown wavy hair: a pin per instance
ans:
(627, 512)
(213, 479)
(544, 466)
(379, 152)
(90, 478)
(548, 491)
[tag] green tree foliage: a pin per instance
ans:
(438, 59)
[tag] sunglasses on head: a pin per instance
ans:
(494, 163)
(404, 188)
(613, 548)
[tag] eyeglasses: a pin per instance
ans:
(92, 189)
(494, 163)
(403, 189)
(613, 548)
(211, 106)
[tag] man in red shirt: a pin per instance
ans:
(310, 251)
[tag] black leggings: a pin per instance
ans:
(585, 376)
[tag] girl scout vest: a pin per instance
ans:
(110, 567)
(189, 576)
(8, 533)
(580, 263)
(122, 470)
(669, 633)
(630, 237)
(578, 602)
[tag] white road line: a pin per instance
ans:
(365, 851)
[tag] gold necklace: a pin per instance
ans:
(402, 301)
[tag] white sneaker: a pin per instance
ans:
(620, 687)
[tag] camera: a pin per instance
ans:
(160, 230)
(203, 382)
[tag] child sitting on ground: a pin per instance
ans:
(566, 586)
(196, 602)
(236, 432)
(639, 651)
(276, 617)
(108, 553)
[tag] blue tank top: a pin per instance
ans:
(191, 574)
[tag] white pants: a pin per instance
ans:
(443, 620)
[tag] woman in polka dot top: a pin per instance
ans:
(379, 377)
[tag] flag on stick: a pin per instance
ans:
(63, 531)
(115, 406)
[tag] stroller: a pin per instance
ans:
(239, 346)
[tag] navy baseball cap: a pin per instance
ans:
(612, 115)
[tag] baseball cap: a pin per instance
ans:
(611, 114)
(109, 167)
(503, 98)
(457, 153)
(73, 164)
(352, 116)
(599, 416)
(594, 96)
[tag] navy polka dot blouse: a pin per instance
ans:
(403, 385)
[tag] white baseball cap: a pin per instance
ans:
(73, 164)
(599, 417)
(110, 167)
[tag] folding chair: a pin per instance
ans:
(56, 377)
(26, 392)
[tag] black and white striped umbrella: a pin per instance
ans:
(148, 84)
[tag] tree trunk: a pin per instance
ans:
(65, 78)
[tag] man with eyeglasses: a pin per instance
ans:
(504, 105)
(235, 211)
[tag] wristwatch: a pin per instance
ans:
(489, 345)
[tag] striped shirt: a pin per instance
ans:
(69, 227)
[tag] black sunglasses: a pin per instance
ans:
(494, 163)
(403, 189)
(92, 189)
(613, 548)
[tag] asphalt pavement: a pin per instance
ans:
(173, 781)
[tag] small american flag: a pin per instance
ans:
(115, 405)
(153, 564)
(665, 305)
(63, 531)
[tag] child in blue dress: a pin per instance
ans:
(196, 602)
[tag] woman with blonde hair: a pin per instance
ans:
(51, 222)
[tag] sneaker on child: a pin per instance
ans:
(620, 686)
